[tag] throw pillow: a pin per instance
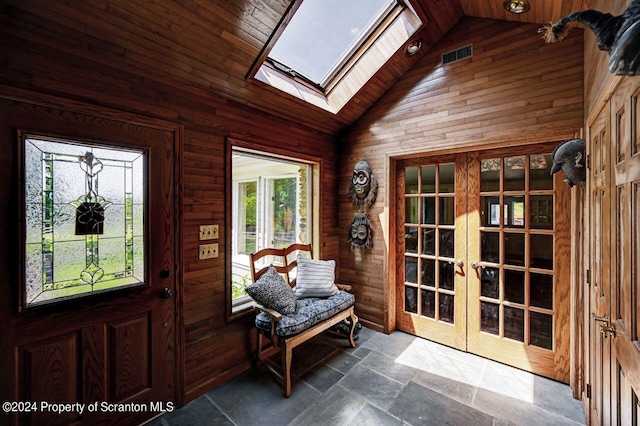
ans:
(272, 291)
(315, 278)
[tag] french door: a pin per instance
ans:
(483, 256)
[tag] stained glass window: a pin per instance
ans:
(84, 216)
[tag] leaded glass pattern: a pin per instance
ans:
(61, 261)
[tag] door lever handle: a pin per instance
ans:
(476, 265)
(604, 319)
(457, 262)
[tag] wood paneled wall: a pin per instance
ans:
(596, 61)
(212, 348)
(514, 90)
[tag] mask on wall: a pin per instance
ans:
(363, 187)
(618, 35)
(569, 157)
(360, 232)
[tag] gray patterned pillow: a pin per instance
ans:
(272, 291)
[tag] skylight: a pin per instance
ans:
(324, 34)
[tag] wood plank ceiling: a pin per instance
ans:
(211, 44)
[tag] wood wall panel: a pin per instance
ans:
(515, 90)
(596, 61)
(43, 59)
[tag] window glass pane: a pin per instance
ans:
(428, 179)
(490, 317)
(428, 303)
(490, 246)
(411, 269)
(447, 178)
(490, 282)
(411, 299)
(446, 307)
(247, 205)
(542, 251)
(411, 180)
(322, 32)
(446, 242)
(514, 211)
(514, 286)
(447, 210)
(84, 215)
(541, 207)
(429, 241)
(539, 172)
(429, 211)
(490, 211)
(447, 275)
(411, 239)
(541, 290)
(271, 207)
(541, 326)
(514, 249)
(411, 210)
(514, 323)
(428, 272)
(490, 175)
(514, 173)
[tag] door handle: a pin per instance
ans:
(166, 293)
(457, 262)
(606, 327)
(475, 265)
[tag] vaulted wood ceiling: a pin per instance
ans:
(212, 44)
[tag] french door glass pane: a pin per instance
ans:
(490, 211)
(429, 241)
(490, 282)
(490, 317)
(490, 246)
(447, 178)
(541, 290)
(411, 299)
(428, 179)
(428, 272)
(540, 172)
(411, 210)
(447, 275)
(411, 180)
(514, 168)
(429, 303)
(446, 307)
(541, 211)
(514, 323)
(542, 251)
(514, 286)
(514, 249)
(541, 326)
(447, 210)
(490, 175)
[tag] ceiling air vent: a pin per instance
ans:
(458, 54)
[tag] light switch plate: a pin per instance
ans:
(208, 232)
(207, 251)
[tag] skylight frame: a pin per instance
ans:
(357, 48)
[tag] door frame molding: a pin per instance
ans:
(177, 129)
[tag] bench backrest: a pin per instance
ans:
(283, 259)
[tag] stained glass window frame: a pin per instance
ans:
(95, 260)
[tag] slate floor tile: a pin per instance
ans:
(376, 388)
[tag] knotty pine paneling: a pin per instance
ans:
(515, 89)
(596, 61)
(58, 62)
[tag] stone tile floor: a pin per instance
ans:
(395, 379)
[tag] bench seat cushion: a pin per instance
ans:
(309, 311)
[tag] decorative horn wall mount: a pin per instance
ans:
(618, 35)
(363, 189)
(569, 157)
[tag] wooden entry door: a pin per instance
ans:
(506, 290)
(111, 355)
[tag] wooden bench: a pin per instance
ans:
(312, 315)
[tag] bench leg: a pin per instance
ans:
(286, 355)
(354, 321)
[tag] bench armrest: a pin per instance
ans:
(275, 315)
(345, 287)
